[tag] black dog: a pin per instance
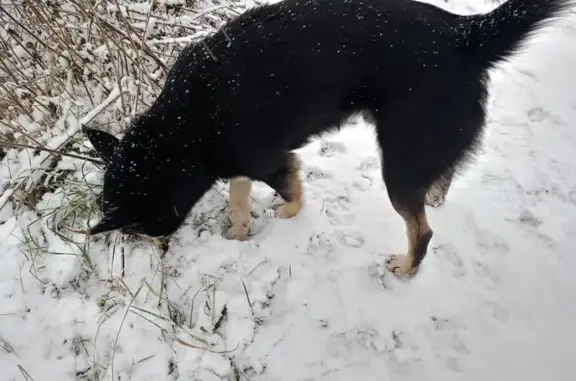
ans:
(237, 104)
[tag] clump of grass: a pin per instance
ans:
(67, 63)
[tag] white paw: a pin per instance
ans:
(238, 232)
(435, 199)
(400, 265)
(288, 210)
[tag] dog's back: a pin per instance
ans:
(281, 73)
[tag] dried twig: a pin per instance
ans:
(5, 143)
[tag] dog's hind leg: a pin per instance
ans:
(241, 206)
(287, 182)
(421, 150)
(410, 205)
(436, 194)
(408, 173)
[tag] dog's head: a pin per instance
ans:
(149, 185)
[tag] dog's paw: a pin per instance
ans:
(238, 232)
(400, 265)
(435, 198)
(288, 210)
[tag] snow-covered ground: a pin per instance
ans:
(308, 298)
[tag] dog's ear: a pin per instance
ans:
(104, 143)
(110, 223)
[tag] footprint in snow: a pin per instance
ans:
(321, 245)
(350, 239)
(447, 343)
(363, 184)
(485, 274)
(489, 243)
(403, 353)
(356, 344)
(314, 173)
(377, 270)
(530, 219)
(330, 149)
(445, 337)
(369, 164)
(572, 194)
(338, 209)
(494, 311)
(366, 171)
(539, 114)
(450, 261)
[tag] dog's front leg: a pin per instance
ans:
(287, 182)
(241, 206)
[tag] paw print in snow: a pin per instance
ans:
(450, 260)
(338, 209)
(350, 239)
(366, 166)
(314, 173)
(330, 149)
(528, 218)
(369, 164)
(494, 311)
(572, 196)
(488, 243)
(403, 352)
(485, 274)
(362, 184)
(356, 344)
(447, 343)
(320, 243)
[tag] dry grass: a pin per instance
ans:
(67, 63)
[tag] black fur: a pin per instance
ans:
(104, 143)
(238, 103)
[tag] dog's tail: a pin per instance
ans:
(495, 36)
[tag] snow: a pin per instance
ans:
(308, 298)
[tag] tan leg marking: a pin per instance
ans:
(241, 205)
(296, 190)
(419, 234)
